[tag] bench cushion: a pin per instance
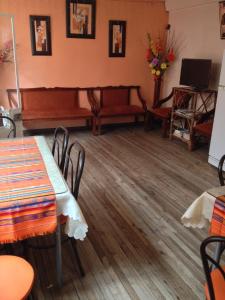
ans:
(56, 114)
(162, 112)
(121, 110)
(204, 128)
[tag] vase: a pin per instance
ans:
(157, 87)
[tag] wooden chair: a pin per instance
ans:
(8, 124)
(60, 144)
(214, 271)
(180, 100)
(72, 171)
(74, 165)
(16, 278)
(203, 127)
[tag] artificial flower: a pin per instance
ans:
(163, 66)
(159, 57)
(155, 61)
(171, 55)
(148, 54)
(6, 52)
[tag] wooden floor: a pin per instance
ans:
(134, 189)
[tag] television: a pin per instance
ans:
(195, 73)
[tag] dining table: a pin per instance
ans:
(208, 211)
(34, 194)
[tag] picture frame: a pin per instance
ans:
(117, 38)
(80, 19)
(222, 19)
(40, 35)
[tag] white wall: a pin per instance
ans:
(197, 32)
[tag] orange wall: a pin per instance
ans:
(85, 62)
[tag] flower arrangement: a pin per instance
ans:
(6, 53)
(159, 57)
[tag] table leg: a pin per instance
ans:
(58, 253)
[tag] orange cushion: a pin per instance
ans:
(218, 285)
(121, 110)
(16, 277)
(204, 128)
(162, 112)
(56, 114)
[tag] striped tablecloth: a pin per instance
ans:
(217, 226)
(27, 198)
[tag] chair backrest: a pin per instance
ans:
(60, 144)
(220, 170)
(74, 165)
(9, 124)
(210, 264)
(42, 99)
(114, 96)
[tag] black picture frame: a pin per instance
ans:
(83, 28)
(222, 19)
(117, 49)
(40, 45)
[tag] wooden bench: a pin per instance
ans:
(114, 101)
(51, 104)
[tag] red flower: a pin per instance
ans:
(171, 56)
(148, 54)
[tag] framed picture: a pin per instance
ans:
(40, 35)
(117, 38)
(222, 19)
(80, 19)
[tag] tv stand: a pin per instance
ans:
(187, 110)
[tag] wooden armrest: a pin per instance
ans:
(141, 99)
(160, 102)
(93, 102)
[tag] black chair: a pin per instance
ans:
(11, 126)
(60, 144)
(214, 272)
(220, 171)
(74, 165)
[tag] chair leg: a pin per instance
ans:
(59, 254)
(165, 127)
(74, 246)
(94, 126)
(99, 126)
(149, 121)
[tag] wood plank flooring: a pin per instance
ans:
(134, 189)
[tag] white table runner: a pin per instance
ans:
(199, 213)
(76, 225)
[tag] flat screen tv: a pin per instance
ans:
(195, 73)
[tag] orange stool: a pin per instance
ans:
(16, 278)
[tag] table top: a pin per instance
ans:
(66, 205)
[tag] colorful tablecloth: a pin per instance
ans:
(27, 198)
(217, 226)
